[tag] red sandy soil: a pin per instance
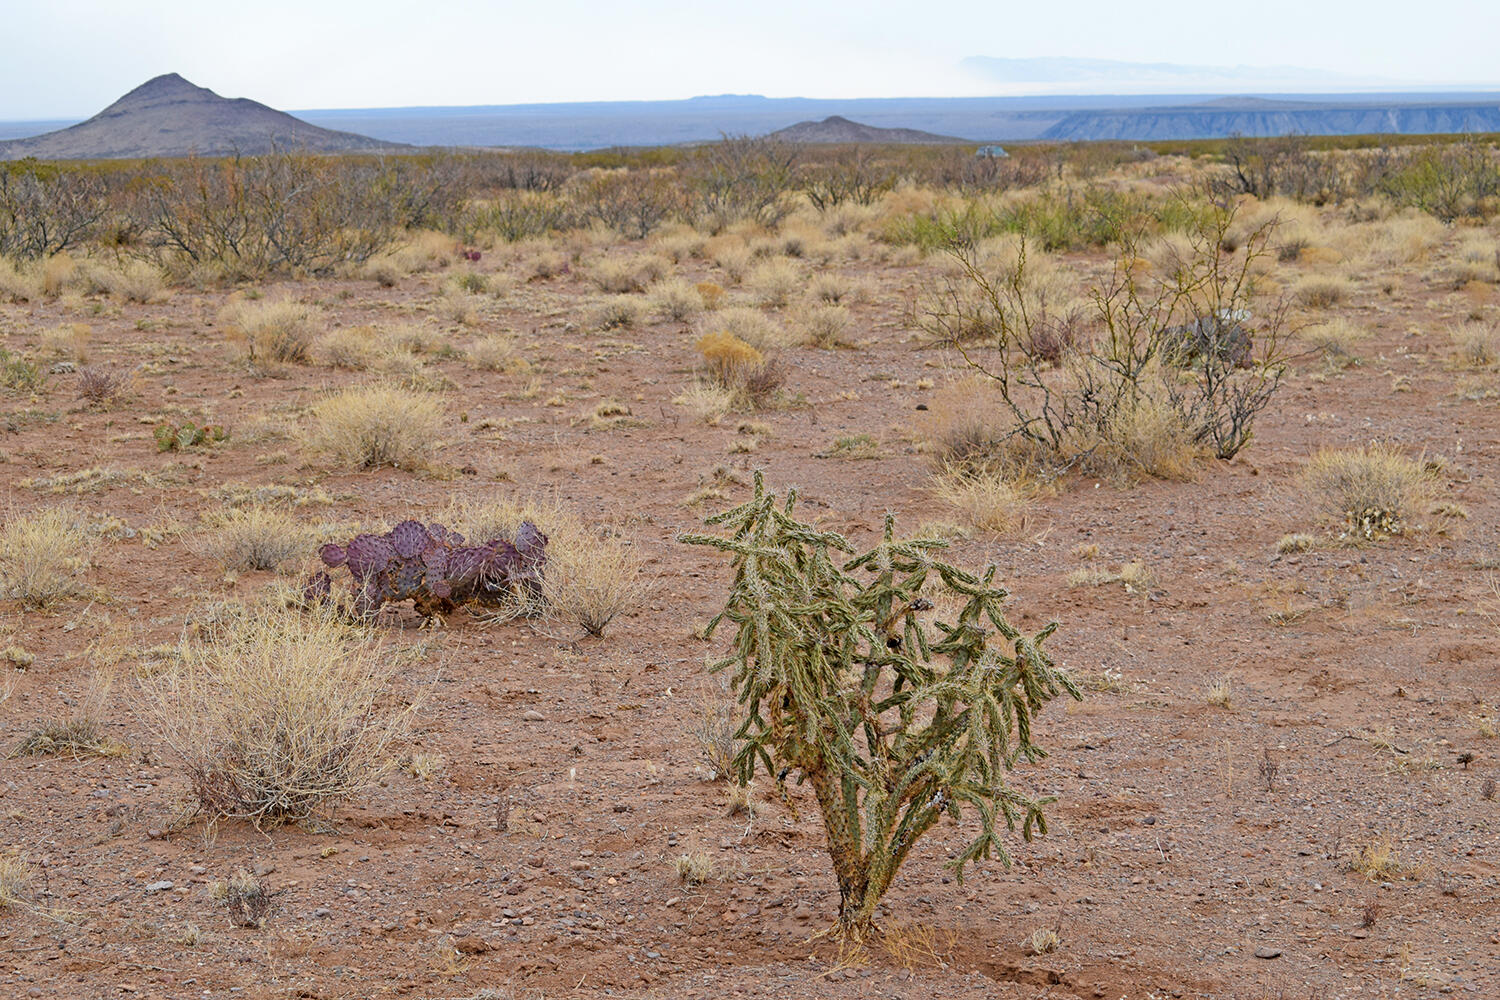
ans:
(538, 861)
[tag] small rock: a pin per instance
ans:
(579, 866)
(159, 886)
(154, 834)
(322, 912)
(532, 715)
(1268, 953)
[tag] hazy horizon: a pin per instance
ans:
(346, 55)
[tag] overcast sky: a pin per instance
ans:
(70, 58)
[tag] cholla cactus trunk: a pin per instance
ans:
(895, 721)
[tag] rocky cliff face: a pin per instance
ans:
(1266, 118)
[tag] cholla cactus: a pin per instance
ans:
(893, 719)
(434, 567)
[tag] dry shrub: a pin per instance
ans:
(79, 734)
(69, 341)
(254, 538)
(834, 288)
(616, 312)
(710, 294)
(281, 716)
(732, 257)
(17, 880)
(497, 353)
(135, 281)
(680, 244)
(674, 300)
(753, 327)
(376, 426)
(774, 283)
(354, 348)
(425, 250)
(1372, 492)
(43, 557)
(985, 500)
(631, 275)
(101, 386)
(1147, 438)
(1337, 339)
(750, 377)
(272, 331)
(386, 270)
(1321, 291)
(824, 325)
(1476, 344)
(59, 273)
(706, 402)
(591, 576)
(459, 307)
(1476, 258)
(18, 282)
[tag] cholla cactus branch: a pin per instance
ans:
(893, 718)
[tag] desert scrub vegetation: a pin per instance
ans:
(1182, 361)
(590, 575)
(749, 377)
(44, 557)
(280, 716)
(893, 721)
(375, 426)
(1368, 493)
(253, 538)
(986, 500)
(272, 332)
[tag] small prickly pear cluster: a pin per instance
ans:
(434, 567)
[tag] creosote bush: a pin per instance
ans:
(280, 716)
(896, 718)
(377, 426)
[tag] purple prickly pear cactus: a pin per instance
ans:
(431, 566)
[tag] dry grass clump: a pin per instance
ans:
(70, 341)
(1220, 692)
(824, 325)
(753, 327)
(630, 275)
(497, 353)
(43, 557)
(986, 500)
(591, 576)
(1321, 291)
(732, 257)
(750, 377)
(18, 282)
(775, 282)
(696, 868)
(834, 288)
(273, 331)
(706, 402)
(80, 734)
(616, 312)
(377, 426)
(1147, 438)
(459, 307)
(1372, 492)
(99, 385)
(135, 281)
(254, 538)
(1378, 861)
(17, 881)
(425, 250)
(680, 244)
(248, 902)
(1135, 576)
(674, 300)
(1337, 338)
(1476, 344)
(353, 348)
(1295, 542)
(280, 717)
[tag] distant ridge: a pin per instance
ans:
(838, 129)
(168, 116)
(1259, 117)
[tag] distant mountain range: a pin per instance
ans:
(1114, 73)
(837, 129)
(168, 116)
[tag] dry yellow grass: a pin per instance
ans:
(377, 426)
(254, 538)
(985, 500)
(752, 326)
(1338, 339)
(280, 716)
(43, 557)
(823, 325)
(17, 880)
(272, 331)
(497, 353)
(592, 576)
(1148, 438)
(673, 300)
(1321, 291)
(69, 341)
(134, 281)
(1476, 344)
(1371, 492)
